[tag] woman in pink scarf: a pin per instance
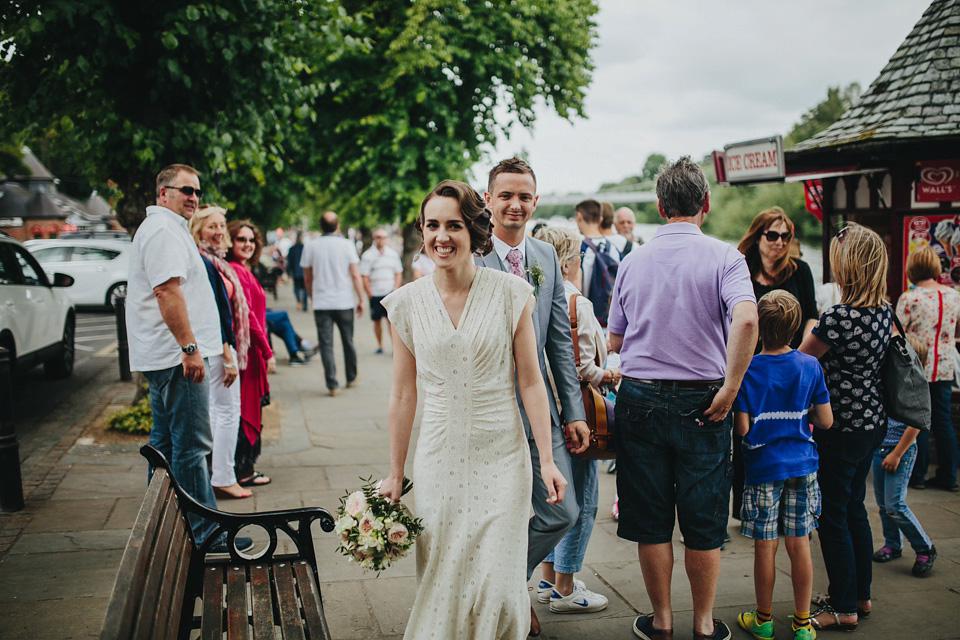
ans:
(246, 245)
(209, 229)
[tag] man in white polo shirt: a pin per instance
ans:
(172, 326)
(331, 277)
(382, 271)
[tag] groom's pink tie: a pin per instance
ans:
(515, 258)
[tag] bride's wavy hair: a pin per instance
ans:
(476, 215)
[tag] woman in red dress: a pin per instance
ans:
(246, 245)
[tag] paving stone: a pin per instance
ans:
(392, 599)
(124, 513)
(61, 541)
(72, 515)
(51, 576)
(349, 614)
(69, 617)
(120, 484)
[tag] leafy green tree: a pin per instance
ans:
(419, 104)
(139, 85)
(651, 166)
(824, 114)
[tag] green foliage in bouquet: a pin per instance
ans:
(374, 531)
(138, 419)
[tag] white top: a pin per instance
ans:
(613, 245)
(381, 268)
(163, 249)
(330, 257)
(424, 265)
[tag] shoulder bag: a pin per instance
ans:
(598, 408)
(906, 392)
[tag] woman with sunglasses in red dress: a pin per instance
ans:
(766, 247)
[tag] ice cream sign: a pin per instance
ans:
(754, 160)
(938, 181)
(942, 234)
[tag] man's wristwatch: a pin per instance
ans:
(189, 349)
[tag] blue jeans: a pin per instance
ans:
(181, 432)
(845, 537)
(300, 292)
(891, 493)
(670, 465)
(567, 556)
(278, 322)
(941, 427)
(343, 318)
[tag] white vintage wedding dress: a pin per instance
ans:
(472, 468)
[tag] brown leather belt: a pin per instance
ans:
(684, 385)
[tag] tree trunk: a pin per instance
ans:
(412, 242)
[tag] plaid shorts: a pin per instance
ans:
(791, 506)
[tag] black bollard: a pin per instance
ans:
(11, 484)
(123, 349)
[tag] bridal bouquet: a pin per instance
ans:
(373, 530)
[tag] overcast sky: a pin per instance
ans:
(688, 76)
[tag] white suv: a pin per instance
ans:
(37, 319)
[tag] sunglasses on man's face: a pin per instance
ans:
(188, 191)
(773, 236)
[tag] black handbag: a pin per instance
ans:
(906, 392)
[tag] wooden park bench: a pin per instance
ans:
(169, 587)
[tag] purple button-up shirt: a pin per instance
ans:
(673, 301)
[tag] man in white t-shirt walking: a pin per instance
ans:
(172, 326)
(382, 271)
(331, 277)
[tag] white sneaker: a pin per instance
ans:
(581, 600)
(544, 589)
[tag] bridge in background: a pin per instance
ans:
(616, 197)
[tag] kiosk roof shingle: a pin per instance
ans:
(916, 95)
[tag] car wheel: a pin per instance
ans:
(118, 290)
(62, 365)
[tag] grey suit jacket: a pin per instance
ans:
(551, 322)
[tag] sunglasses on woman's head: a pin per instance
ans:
(773, 236)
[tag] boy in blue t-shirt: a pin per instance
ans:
(773, 414)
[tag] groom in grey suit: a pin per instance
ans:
(511, 196)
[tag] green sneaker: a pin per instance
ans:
(807, 633)
(748, 620)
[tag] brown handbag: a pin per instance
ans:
(599, 410)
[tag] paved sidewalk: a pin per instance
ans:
(59, 557)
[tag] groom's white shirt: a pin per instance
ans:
(502, 248)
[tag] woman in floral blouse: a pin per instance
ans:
(931, 312)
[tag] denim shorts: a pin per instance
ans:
(793, 503)
(671, 466)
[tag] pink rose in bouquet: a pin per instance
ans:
(397, 534)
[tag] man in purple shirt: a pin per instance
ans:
(684, 319)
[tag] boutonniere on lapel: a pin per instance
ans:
(536, 276)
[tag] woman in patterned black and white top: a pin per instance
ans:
(850, 339)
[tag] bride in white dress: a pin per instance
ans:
(467, 334)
